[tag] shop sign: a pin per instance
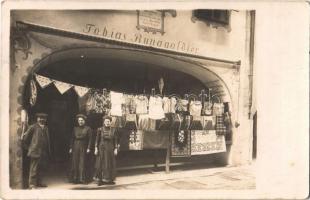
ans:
(150, 21)
(207, 142)
(141, 39)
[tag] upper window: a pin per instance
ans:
(214, 17)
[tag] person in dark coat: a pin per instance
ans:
(38, 144)
(106, 148)
(79, 147)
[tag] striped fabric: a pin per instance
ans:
(220, 127)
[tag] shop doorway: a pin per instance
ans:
(119, 70)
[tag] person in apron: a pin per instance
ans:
(106, 148)
(80, 146)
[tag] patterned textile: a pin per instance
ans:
(62, 86)
(220, 127)
(156, 139)
(43, 81)
(33, 93)
(195, 108)
(181, 143)
(206, 142)
(182, 105)
(81, 91)
(136, 140)
(207, 108)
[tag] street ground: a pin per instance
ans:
(180, 177)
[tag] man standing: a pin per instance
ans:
(38, 150)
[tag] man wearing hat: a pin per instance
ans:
(80, 146)
(38, 150)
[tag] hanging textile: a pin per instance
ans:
(176, 121)
(218, 109)
(195, 108)
(43, 81)
(90, 103)
(62, 86)
(182, 105)
(156, 139)
(117, 122)
(220, 127)
(207, 108)
(180, 143)
(136, 140)
(129, 104)
(116, 103)
(156, 108)
(206, 142)
(173, 103)
(166, 105)
(165, 123)
(143, 122)
(196, 123)
(141, 104)
(186, 122)
(208, 122)
(81, 91)
(33, 93)
(106, 103)
(131, 122)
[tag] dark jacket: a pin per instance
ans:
(38, 140)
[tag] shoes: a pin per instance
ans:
(100, 183)
(32, 187)
(110, 183)
(41, 185)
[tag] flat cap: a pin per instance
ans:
(107, 117)
(81, 116)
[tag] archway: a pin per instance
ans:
(86, 62)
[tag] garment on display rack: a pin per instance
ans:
(196, 123)
(182, 105)
(141, 102)
(218, 109)
(180, 143)
(131, 122)
(207, 108)
(116, 103)
(143, 122)
(165, 123)
(156, 139)
(156, 110)
(208, 122)
(176, 121)
(186, 122)
(129, 104)
(166, 105)
(195, 108)
(220, 127)
(136, 140)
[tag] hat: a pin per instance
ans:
(43, 115)
(81, 116)
(107, 117)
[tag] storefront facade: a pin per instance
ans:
(220, 56)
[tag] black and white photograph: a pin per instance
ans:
(168, 99)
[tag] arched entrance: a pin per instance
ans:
(98, 68)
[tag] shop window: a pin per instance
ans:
(214, 18)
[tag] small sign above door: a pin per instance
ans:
(150, 21)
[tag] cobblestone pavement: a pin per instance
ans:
(228, 178)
